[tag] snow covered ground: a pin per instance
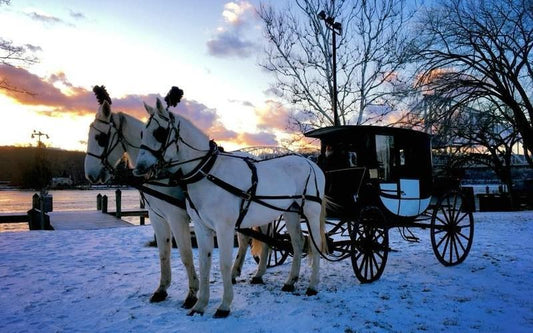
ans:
(100, 281)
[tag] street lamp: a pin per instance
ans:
(336, 29)
(38, 134)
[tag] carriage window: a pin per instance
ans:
(384, 147)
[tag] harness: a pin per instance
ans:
(247, 196)
(206, 163)
(109, 141)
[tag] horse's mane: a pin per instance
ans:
(101, 94)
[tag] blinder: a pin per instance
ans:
(161, 134)
(102, 139)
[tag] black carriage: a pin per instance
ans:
(379, 178)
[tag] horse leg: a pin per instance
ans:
(315, 234)
(180, 228)
(164, 243)
(204, 237)
(295, 232)
(263, 257)
(241, 254)
(225, 246)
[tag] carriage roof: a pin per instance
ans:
(349, 133)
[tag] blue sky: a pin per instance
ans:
(138, 49)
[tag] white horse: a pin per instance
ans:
(223, 192)
(112, 135)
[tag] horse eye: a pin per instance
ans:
(102, 139)
(160, 134)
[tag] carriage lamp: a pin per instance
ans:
(336, 29)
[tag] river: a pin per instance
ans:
(19, 201)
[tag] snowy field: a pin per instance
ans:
(100, 281)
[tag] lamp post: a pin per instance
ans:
(38, 134)
(336, 29)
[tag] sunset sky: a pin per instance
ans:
(138, 50)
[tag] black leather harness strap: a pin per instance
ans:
(161, 196)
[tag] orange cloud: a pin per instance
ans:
(58, 96)
(272, 115)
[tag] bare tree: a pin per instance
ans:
(485, 137)
(371, 52)
(479, 51)
(14, 55)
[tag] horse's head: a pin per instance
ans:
(104, 150)
(158, 135)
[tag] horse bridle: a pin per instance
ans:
(163, 135)
(109, 141)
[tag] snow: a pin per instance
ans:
(101, 281)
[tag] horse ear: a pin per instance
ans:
(106, 109)
(160, 106)
(149, 109)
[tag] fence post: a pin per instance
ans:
(99, 202)
(118, 201)
(104, 204)
(35, 203)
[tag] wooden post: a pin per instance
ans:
(118, 202)
(41, 208)
(104, 204)
(142, 216)
(35, 201)
(99, 202)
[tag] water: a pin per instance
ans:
(18, 201)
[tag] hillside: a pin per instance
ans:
(15, 162)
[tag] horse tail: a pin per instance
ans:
(324, 242)
(256, 247)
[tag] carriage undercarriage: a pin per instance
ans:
(365, 240)
(396, 177)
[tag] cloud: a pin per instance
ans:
(272, 115)
(48, 19)
(77, 15)
(55, 95)
(273, 92)
(229, 39)
(237, 13)
(243, 103)
(257, 139)
(32, 48)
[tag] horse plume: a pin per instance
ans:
(174, 96)
(101, 94)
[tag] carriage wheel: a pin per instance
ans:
(452, 229)
(277, 256)
(370, 239)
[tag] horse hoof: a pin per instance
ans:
(193, 312)
(158, 296)
(311, 292)
(221, 313)
(189, 302)
(257, 280)
(288, 288)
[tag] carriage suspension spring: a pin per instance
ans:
(408, 235)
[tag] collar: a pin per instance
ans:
(201, 170)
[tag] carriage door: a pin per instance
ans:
(398, 193)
